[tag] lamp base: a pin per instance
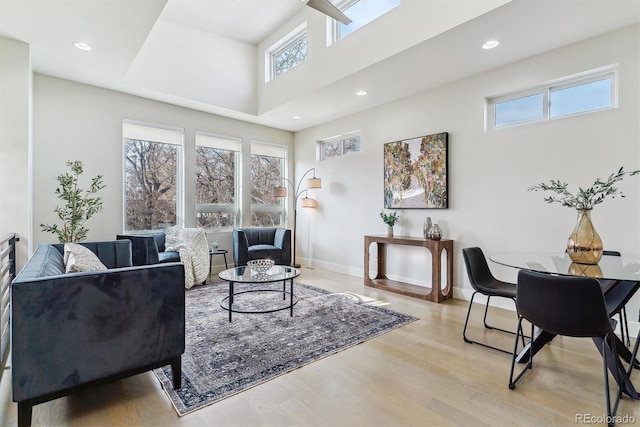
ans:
(295, 265)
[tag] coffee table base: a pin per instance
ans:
(293, 300)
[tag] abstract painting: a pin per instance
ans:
(415, 173)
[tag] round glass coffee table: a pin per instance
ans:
(277, 273)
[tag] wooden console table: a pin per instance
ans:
(435, 293)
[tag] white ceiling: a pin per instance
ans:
(119, 29)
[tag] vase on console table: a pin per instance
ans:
(584, 245)
(389, 230)
(435, 233)
(427, 227)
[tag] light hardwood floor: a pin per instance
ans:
(422, 374)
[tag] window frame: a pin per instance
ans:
(546, 89)
(136, 129)
(222, 207)
(340, 139)
(333, 26)
(282, 45)
(281, 207)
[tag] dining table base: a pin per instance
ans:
(542, 337)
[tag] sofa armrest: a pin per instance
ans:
(71, 329)
(282, 238)
(240, 247)
(144, 250)
(283, 241)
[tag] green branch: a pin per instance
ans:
(584, 198)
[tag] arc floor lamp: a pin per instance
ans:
(306, 201)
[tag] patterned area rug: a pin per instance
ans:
(222, 358)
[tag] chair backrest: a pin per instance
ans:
(260, 235)
(563, 305)
(477, 268)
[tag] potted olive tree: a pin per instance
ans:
(80, 205)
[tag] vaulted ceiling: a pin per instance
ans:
(205, 54)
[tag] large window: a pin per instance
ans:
(287, 53)
(361, 12)
(268, 164)
(217, 171)
(591, 91)
(152, 182)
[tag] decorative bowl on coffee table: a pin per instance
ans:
(261, 266)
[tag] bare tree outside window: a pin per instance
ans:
(266, 209)
(351, 145)
(215, 188)
(289, 57)
(150, 184)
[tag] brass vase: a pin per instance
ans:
(584, 245)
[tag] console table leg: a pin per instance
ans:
(382, 261)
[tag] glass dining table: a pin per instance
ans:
(610, 267)
(610, 270)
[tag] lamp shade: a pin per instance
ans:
(314, 182)
(280, 191)
(308, 202)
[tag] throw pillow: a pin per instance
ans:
(80, 258)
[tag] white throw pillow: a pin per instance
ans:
(79, 258)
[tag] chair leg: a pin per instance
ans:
(466, 322)
(624, 327)
(609, 350)
(634, 353)
(519, 333)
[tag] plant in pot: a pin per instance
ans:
(80, 205)
(390, 219)
(584, 245)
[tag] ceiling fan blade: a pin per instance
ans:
(326, 7)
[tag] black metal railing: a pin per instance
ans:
(7, 273)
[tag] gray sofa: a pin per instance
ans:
(70, 331)
(256, 243)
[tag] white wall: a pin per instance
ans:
(15, 142)
(489, 172)
(73, 121)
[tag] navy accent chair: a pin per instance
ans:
(149, 248)
(257, 243)
(70, 331)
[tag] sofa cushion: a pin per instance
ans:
(51, 263)
(169, 256)
(264, 251)
(79, 258)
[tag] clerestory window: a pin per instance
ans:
(339, 145)
(587, 92)
(361, 12)
(287, 53)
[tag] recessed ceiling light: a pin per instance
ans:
(296, 117)
(82, 46)
(361, 92)
(490, 44)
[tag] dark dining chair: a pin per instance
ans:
(484, 283)
(570, 306)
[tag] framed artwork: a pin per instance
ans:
(415, 173)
